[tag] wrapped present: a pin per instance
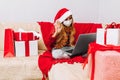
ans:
(104, 62)
(25, 44)
(113, 36)
(108, 36)
(9, 43)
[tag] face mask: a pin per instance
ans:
(67, 23)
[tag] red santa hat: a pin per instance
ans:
(62, 15)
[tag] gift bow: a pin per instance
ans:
(34, 33)
(93, 47)
(113, 25)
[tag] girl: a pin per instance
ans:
(64, 34)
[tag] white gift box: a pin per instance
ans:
(21, 50)
(33, 47)
(112, 36)
(100, 36)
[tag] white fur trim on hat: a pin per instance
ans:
(64, 16)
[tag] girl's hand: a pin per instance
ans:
(58, 28)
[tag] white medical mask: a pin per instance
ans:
(67, 22)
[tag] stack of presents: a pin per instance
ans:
(21, 43)
(105, 54)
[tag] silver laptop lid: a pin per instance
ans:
(82, 43)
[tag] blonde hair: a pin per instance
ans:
(62, 37)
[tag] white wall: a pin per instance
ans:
(101, 11)
(45, 10)
(109, 11)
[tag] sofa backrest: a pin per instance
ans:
(34, 26)
(15, 26)
(47, 29)
(83, 28)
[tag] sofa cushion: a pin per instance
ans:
(107, 65)
(70, 72)
(19, 68)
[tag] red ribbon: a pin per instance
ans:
(27, 51)
(105, 36)
(93, 47)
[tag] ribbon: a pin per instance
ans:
(113, 25)
(105, 36)
(93, 47)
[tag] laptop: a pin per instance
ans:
(81, 46)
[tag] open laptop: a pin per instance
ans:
(81, 46)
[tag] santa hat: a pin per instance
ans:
(62, 15)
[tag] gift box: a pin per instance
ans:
(25, 44)
(9, 43)
(108, 36)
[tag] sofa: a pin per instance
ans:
(20, 68)
(23, 68)
(26, 68)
